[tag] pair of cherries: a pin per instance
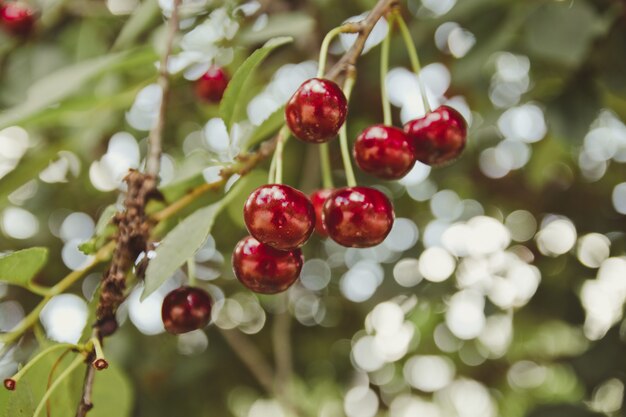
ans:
(17, 18)
(318, 109)
(281, 219)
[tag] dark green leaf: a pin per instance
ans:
(112, 394)
(20, 267)
(267, 128)
(232, 102)
(182, 242)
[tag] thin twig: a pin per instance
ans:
(86, 403)
(365, 28)
(155, 145)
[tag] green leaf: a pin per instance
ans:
(112, 394)
(183, 241)
(20, 267)
(60, 84)
(267, 128)
(32, 387)
(232, 101)
(143, 16)
(19, 403)
(282, 24)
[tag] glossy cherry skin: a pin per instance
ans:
(318, 198)
(211, 86)
(186, 309)
(358, 217)
(384, 151)
(439, 137)
(264, 269)
(316, 111)
(17, 18)
(279, 216)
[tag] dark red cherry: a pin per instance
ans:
(17, 18)
(186, 309)
(264, 269)
(316, 111)
(384, 151)
(279, 216)
(318, 198)
(212, 84)
(439, 137)
(358, 217)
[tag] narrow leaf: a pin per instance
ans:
(232, 102)
(20, 267)
(183, 241)
(267, 128)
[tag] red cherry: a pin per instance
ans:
(186, 309)
(439, 137)
(17, 18)
(264, 269)
(358, 217)
(212, 84)
(318, 198)
(384, 151)
(279, 216)
(316, 111)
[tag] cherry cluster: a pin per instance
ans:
(17, 18)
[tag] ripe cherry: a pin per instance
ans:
(358, 217)
(318, 198)
(384, 151)
(17, 18)
(212, 84)
(264, 269)
(316, 111)
(279, 216)
(439, 137)
(186, 309)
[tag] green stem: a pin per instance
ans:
(345, 28)
(75, 364)
(283, 135)
(59, 288)
(191, 271)
(384, 69)
(343, 136)
(412, 51)
(327, 176)
(40, 355)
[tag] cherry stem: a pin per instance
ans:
(39, 356)
(71, 367)
(343, 134)
(99, 362)
(345, 28)
(384, 69)
(191, 271)
(415, 62)
(327, 176)
(283, 135)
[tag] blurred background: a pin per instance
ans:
(501, 288)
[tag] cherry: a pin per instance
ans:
(318, 198)
(279, 216)
(358, 217)
(212, 84)
(186, 309)
(316, 111)
(384, 151)
(264, 269)
(17, 18)
(439, 137)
